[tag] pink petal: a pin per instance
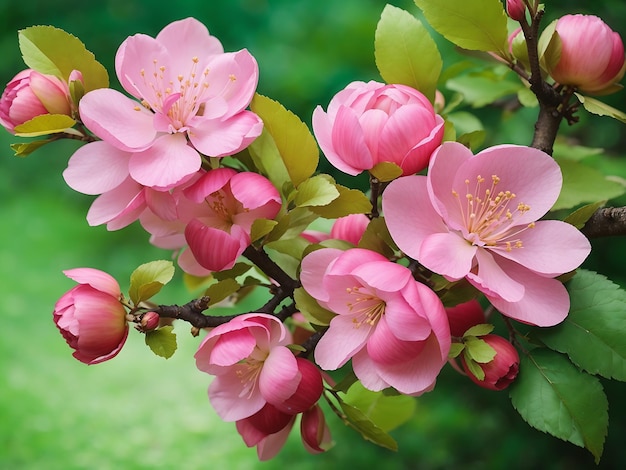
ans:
(190, 265)
(232, 347)
(96, 168)
(117, 119)
(280, 376)
(168, 162)
(384, 348)
(209, 183)
(97, 279)
(313, 269)
(213, 248)
(493, 280)
(373, 122)
(323, 128)
(340, 342)
(366, 371)
(419, 156)
(405, 313)
(218, 138)
(272, 444)
(447, 254)
(349, 141)
(406, 127)
(225, 394)
(119, 207)
(253, 190)
(384, 275)
(189, 38)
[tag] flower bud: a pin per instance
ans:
(149, 321)
(314, 431)
(516, 9)
(592, 55)
(308, 392)
(501, 370)
(350, 228)
(463, 316)
(30, 94)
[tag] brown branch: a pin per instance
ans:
(191, 312)
(606, 222)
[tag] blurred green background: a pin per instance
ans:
(140, 411)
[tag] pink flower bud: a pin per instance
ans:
(370, 123)
(90, 316)
(516, 9)
(30, 94)
(463, 316)
(314, 431)
(149, 321)
(350, 228)
(269, 419)
(592, 55)
(501, 370)
(308, 392)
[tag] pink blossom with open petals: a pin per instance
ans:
(476, 217)
(192, 99)
(369, 123)
(91, 317)
(393, 328)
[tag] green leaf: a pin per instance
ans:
(26, 148)
(350, 201)
(386, 171)
(479, 330)
(148, 279)
(579, 217)
(368, 430)
(478, 350)
(162, 341)
(477, 25)
(553, 396)
(601, 109)
(52, 51)
(292, 224)
(260, 228)
(593, 333)
(574, 152)
(316, 191)
(293, 247)
(584, 184)
(456, 349)
(293, 139)
(377, 238)
(483, 89)
(44, 124)
(237, 270)
(266, 158)
(549, 47)
(405, 53)
(312, 311)
(385, 411)
(472, 365)
(221, 290)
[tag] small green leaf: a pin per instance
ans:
(45, 124)
(478, 349)
(455, 350)
(237, 270)
(316, 191)
(260, 228)
(266, 158)
(148, 279)
(162, 341)
(368, 430)
(221, 290)
(601, 109)
(483, 89)
(473, 366)
(25, 149)
(579, 217)
(52, 51)
(477, 25)
(312, 311)
(293, 139)
(553, 396)
(480, 330)
(405, 53)
(574, 152)
(292, 224)
(386, 171)
(549, 47)
(377, 238)
(584, 184)
(293, 247)
(385, 411)
(593, 333)
(350, 201)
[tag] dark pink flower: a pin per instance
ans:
(463, 316)
(502, 370)
(90, 316)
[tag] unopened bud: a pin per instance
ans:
(309, 389)
(516, 9)
(501, 370)
(463, 316)
(149, 321)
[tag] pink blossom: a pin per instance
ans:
(349, 228)
(516, 9)
(213, 216)
(369, 123)
(192, 99)
(90, 316)
(253, 367)
(476, 216)
(502, 370)
(393, 328)
(592, 54)
(30, 94)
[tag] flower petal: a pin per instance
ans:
(493, 280)
(340, 342)
(448, 254)
(218, 138)
(280, 376)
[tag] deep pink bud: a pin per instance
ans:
(149, 321)
(315, 434)
(501, 370)
(90, 316)
(592, 55)
(30, 94)
(516, 9)
(463, 316)
(308, 392)
(269, 419)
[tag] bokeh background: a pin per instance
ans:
(140, 411)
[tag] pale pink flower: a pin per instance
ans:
(30, 94)
(592, 54)
(253, 367)
(90, 316)
(502, 370)
(393, 328)
(476, 216)
(369, 123)
(192, 99)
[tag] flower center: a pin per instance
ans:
(367, 308)
(491, 216)
(179, 98)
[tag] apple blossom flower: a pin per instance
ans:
(463, 316)
(592, 55)
(192, 99)
(30, 94)
(476, 217)
(213, 216)
(91, 317)
(393, 328)
(349, 228)
(502, 370)
(314, 431)
(516, 9)
(369, 123)
(253, 367)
